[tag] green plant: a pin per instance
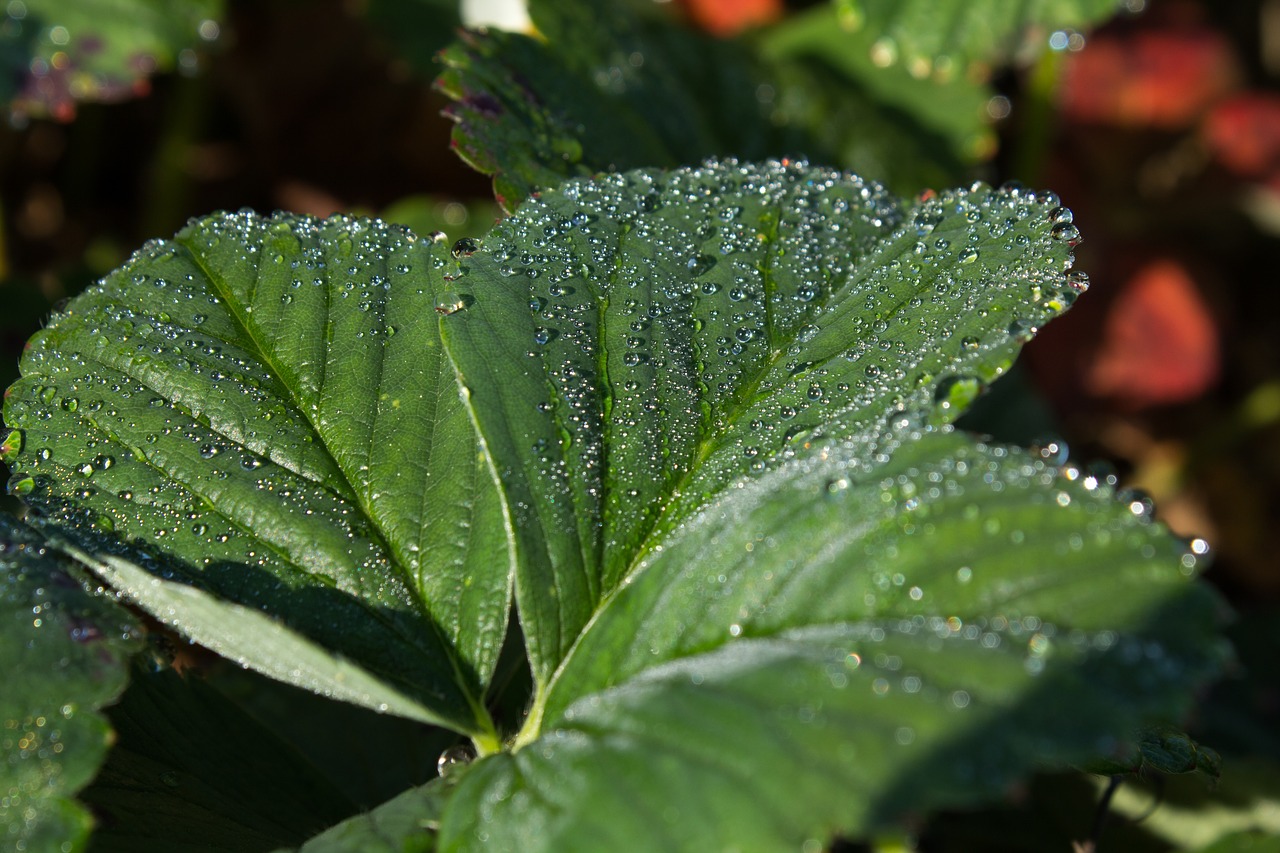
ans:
(650, 495)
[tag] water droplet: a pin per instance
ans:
(700, 265)
(464, 246)
(969, 255)
(1138, 502)
(11, 443)
(1067, 233)
(453, 758)
(20, 484)
(543, 336)
(1021, 329)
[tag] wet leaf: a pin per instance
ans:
(639, 343)
(64, 654)
(266, 404)
(717, 400)
(767, 593)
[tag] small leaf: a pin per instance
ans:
(1159, 342)
(64, 655)
(405, 824)
(266, 404)
(1163, 78)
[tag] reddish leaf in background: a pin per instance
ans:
(1159, 343)
(727, 17)
(1154, 78)
(1244, 133)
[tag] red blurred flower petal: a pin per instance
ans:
(1244, 133)
(1159, 344)
(1157, 78)
(727, 17)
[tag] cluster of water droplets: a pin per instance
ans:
(753, 310)
(150, 412)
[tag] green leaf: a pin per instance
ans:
(942, 122)
(404, 824)
(717, 402)
(531, 114)
(252, 638)
(679, 331)
(64, 655)
(265, 403)
(63, 51)
(946, 37)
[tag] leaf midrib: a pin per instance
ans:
(225, 293)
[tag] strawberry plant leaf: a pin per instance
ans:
(706, 414)
(64, 653)
(948, 116)
(947, 37)
(838, 644)
(675, 332)
(62, 51)
(265, 402)
(718, 400)
(406, 823)
(531, 115)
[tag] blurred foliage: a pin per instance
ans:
(56, 53)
